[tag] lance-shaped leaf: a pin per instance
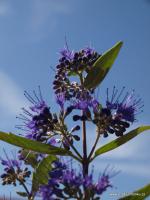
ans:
(102, 66)
(40, 176)
(32, 145)
(120, 141)
(140, 194)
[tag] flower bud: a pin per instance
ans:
(76, 137)
(76, 128)
(76, 117)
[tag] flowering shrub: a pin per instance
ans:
(48, 137)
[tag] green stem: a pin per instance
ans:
(26, 189)
(72, 146)
(94, 146)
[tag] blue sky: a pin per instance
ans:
(31, 34)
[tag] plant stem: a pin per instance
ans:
(26, 189)
(85, 163)
(72, 146)
(94, 146)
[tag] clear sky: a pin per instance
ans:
(31, 34)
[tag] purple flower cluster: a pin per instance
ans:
(119, 113)
(10, 163)
(67, 54)
(39, 122)
(115, 117)
(85, 104)
(13, 171)
(125, 109)
(41, 125)
(60, 100)
(72, 63)
(65, 183)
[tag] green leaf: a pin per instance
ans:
(40, 176)
(30, 157)
(32, 145)
(120, 141)
(102, 66)
(140, 194)
(23, 194)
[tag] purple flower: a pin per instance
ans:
(85, 104)
(51, 190)
(102, 184)
(71, 178)
(81, 104)
(53, 141)
(13, 171)
(125, 109)
(46, 192)
(95, 105)
(60, 99)
(38, 104)
(38, 121)
(88, 181)
(38, 107)
(59, 164)
(67, 54)
(65, 178)
(10, 163)
(88, 51)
